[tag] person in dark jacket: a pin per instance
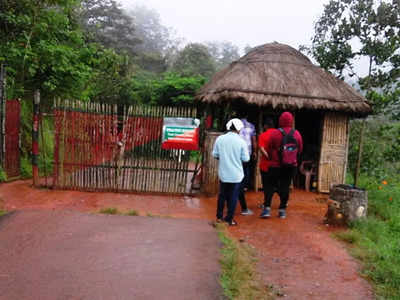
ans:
(279, 177)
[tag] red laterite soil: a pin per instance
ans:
(298, 256)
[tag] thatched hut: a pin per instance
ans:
(275, 77)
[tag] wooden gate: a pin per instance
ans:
(334, 151)
(117, 148)
(12, 128)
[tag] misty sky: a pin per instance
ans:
(251, 22)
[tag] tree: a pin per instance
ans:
(158, 42)
(105, 22)
(223, 53)
(194, 60)
(154, 36)
(354, 32)
(170, 89)
(43, 48)
(247, 49)
(110, 80)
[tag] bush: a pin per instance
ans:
(3, 175)
(26, 167)
(381, 148)
(377, 238)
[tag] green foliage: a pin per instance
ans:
(377, 238)
(26, 139)
(3, 175)
(106, 23)
(43, 48)
(110, 81)
(194, 60)
(132, 212)
(171, 89)
(26, 167)
(381, 148)
(2, 212)
(364, 32)
(46, 146)
(109, 211)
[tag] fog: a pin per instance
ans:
(251, 22)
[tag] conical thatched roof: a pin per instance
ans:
(278, 76)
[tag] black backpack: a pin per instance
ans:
(289, 149)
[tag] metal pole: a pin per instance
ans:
(35, 138)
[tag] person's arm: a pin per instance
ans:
(244, 153)
(261, 145)
(254, 145)
(300, 141)
(264, 152)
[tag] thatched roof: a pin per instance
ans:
(278, 76)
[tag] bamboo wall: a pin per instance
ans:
(334, 151)
(210, 181)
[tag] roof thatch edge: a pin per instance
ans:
(288, 101)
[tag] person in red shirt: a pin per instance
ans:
(264, 157)
(279, 177)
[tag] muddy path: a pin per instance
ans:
(298, 256)
(65, 254)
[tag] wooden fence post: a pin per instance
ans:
(359, 155)
(35, 139)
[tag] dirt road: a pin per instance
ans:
(297, 256)
(51, 255)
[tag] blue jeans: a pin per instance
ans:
(229, 193)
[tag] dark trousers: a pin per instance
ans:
(229, 193)
(277, 180)
(244, 184)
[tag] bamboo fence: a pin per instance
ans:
(106, 147)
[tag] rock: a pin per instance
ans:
(346, 204)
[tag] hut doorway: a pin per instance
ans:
(309, 124)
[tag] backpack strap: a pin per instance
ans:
(291, 132)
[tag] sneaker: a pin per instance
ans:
(266, 213)
(246, 212)
(282, 213)
(232, 223)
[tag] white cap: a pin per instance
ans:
(236, 122)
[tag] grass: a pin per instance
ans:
(238, 277)
(115, 211)
(132, 212)
(2, 212)
(375, 240)
(109, 211)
